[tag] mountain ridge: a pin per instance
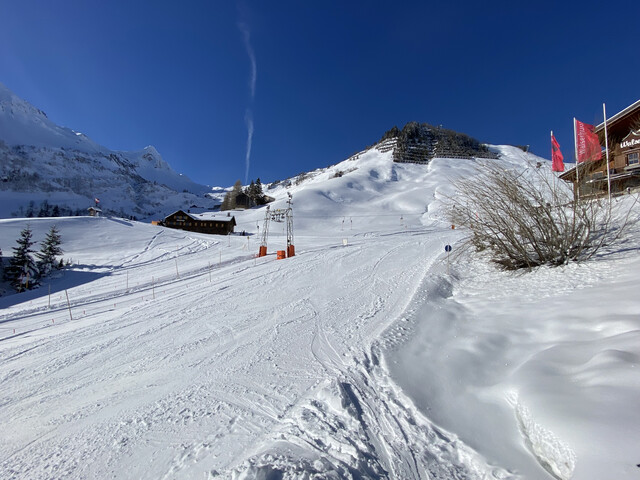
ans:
(45, 161)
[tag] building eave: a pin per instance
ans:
(621, 114)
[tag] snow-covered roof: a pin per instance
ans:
(206, 216)
(210, 216)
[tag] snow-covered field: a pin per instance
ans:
(369, 354)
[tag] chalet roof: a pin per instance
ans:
(206, 216)
(211, 216)
(570, 174)
(95, 209)
(630, 110)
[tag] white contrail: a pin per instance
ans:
(248, 116)
(252, 58)
(248, 120)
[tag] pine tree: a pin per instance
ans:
(250, 191)
(22, 271)
(259, 193)
(31, 209)
(49, 251)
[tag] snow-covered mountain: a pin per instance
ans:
(40, 161)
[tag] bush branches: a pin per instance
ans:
(528, 218)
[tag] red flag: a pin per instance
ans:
(557, 164)
(587, 143)
(96, 200)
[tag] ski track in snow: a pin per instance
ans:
(336, 413)
(358, 424)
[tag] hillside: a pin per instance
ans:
(368, 355)
(40, 161)
(421, 142)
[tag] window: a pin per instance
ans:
(632, 158)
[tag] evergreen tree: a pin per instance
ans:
(22, 271)
(255, 193)
(260, 200)
(251, 192)
(30, 209)
(44, 209)
(49, 250)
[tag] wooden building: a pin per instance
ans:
(94, 211)
(208, 222)
(623, 131)
(245, 201)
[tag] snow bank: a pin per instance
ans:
(537, 369)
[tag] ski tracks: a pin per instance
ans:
(358, 423)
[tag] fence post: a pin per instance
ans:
(68, 305)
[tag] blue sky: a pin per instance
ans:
(330, 77)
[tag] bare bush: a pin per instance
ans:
(528, 218)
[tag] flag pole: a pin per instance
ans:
(554, 177)
(575, 146)
(606, 146)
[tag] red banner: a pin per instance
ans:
(587, 143)
(557, 163)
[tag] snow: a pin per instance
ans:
(370, 354)
(218, 217)
(44, 161)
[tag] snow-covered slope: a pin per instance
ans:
(40, 160)
(181, 355)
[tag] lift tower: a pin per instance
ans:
(279, 215)
(291, 249)
(265, 234)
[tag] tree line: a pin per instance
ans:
(247, 197)
(45, 209)
(422, 142)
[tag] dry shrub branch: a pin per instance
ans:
(528, 218)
